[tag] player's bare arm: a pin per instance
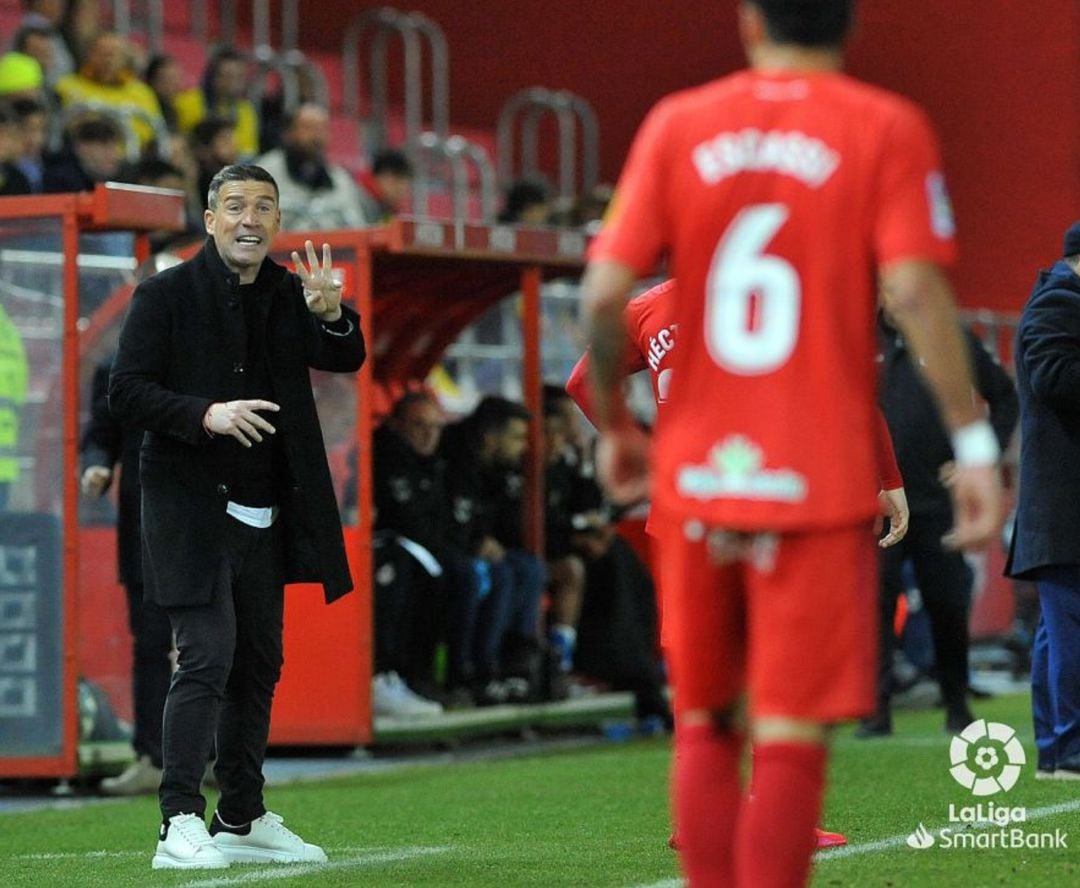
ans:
(919, 299)
(622, 453)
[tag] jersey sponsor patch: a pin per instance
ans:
(942, 220)
(736, 470)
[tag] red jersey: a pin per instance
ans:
(778, 197)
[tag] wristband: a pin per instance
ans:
(975, 444)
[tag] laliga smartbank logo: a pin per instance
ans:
(986, 758)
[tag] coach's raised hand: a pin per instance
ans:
(321, 291)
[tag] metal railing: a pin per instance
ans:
(124, 115)
(415, 31)
(431, 151)
(153, 24)
(572, 114)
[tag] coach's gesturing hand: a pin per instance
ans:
(239, 419)
(321, 292)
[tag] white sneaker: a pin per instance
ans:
(265, 840)
(185, 844)
(390, 696)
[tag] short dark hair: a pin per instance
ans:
(817, 23)
(155, 64)
(237, 172)
(97, 130)
(25, 107)
(402, 404)
(393, 162)
(208, 129)
(554, 397)
(150, 169)
(26, 32)
(521, 194)
(493, 413)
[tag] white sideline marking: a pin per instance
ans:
(896, 841)
(287, 871)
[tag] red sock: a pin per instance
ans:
(707, 798)
(776, 827)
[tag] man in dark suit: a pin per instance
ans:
(233, 506)
(1045, 545)
(106, 445)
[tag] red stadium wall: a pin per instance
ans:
(1000, 82)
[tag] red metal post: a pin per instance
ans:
(532, 385)
(70, 752)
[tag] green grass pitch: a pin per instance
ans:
(588, 817)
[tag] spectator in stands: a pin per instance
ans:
(165, 77)
(14, 379)
(483, 453)
(564, 515)
(272, 120)
(417, 590)
(46, 15)
(162, 174)
(105, 448)
(33, 122)
(12, 180)
(107, 77)
(315, 194)
(924, 455)
(37, 42)
(221, 93)
(527, 203)
(96, 154)
(82, 23)
(213, 143)
(387, 189)
(20, 77)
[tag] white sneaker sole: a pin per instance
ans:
(249, 854)
(166, 861)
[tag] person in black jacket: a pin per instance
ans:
(233, 505)
(107, 446)
(1045, 545)
(483, 456)
(924, 455)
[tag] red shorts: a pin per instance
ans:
(795, 630)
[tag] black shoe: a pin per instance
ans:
(958, 719)
(877, 726)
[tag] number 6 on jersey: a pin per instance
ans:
(753, 300)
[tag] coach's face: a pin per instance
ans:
(243, 225)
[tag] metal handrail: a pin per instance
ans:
(154, 26)
(571, 112)
(266, 61)
(413, 29)
(457, 151)
(124, 114)
(296, 60)
(440, 72)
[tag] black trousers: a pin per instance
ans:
(944, 581)
(151, 670)
(230, 661)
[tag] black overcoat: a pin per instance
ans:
(183, 347)
(1048, 378)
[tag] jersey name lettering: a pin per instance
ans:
(750, 150)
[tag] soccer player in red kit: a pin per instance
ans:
(781, 195)
(652, 335)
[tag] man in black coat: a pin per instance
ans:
(924, 456)
(233, 506)
(1045, 544)
(106, 446)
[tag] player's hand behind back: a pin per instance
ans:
(977, 507)
(622, 464)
